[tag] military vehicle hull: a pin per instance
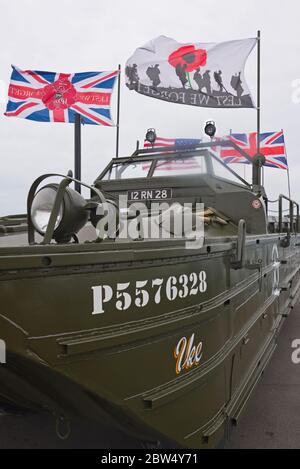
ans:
(159, 340)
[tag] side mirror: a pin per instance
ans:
(239, 260)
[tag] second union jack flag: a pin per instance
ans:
(57, 97)
(272, 146)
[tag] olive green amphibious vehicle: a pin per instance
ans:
(162, 336)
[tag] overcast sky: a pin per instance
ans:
(73, 36)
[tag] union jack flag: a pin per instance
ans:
(272, 146)
(57, 97)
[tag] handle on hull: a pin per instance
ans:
(239, 260)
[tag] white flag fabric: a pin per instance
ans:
(199, 74)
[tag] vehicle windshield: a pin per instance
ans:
(168, 166)
(163, 167)
(221, 171)
(129, 170)
(180, 166)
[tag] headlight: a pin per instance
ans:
(42, 207)
(72, 214)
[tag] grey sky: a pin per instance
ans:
(72, 36)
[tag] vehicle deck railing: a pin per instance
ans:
(294, 226)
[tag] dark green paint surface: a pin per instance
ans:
(118, 367)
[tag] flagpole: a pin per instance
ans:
(258, 91)
(288, 170)
(77, 151)
(289, 182)
(118, 112)
(259, 159)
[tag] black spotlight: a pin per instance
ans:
(210, 129)
(150, 136)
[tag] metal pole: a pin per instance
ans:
(289, 182)
(257, 162)
(288, 170)
(118, 112)
(77, 153)
(258, 91)
(280, 214)
(258, 105)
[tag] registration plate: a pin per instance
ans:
(150, 194)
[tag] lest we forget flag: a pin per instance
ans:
(197, 74)
(57, 97)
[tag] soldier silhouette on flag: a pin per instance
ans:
(132, 74)
(203, 81)
(181, 73)
(153, 73)
(236, 84)
(219, 80)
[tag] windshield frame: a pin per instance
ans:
(156, 158)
